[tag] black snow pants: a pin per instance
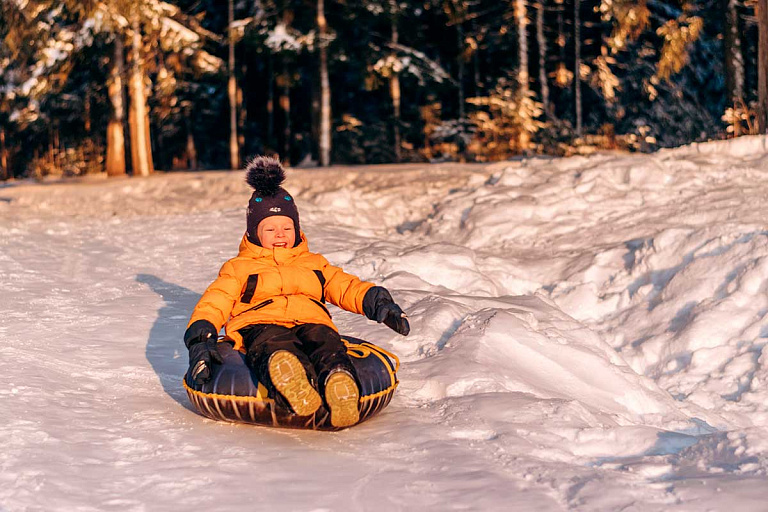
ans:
(317, 346)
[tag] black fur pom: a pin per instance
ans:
(265, 174)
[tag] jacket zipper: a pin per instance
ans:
(257, 306)
(322, 306)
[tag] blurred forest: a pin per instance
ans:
(126, 87)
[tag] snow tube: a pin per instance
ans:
(234, 394)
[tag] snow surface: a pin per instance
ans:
(587, 334)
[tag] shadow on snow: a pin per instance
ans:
(165, 347)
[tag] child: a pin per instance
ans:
(270, 299)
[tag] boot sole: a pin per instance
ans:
(290, 379)
(342, 397)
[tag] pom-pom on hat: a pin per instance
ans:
(265, 174)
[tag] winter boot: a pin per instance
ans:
(290, 379)
(342, 396)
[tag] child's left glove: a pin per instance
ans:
(378, 305)
(201, 339)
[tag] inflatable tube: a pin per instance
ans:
(234, 394)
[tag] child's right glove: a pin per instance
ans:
(201, 339)
(378, 305)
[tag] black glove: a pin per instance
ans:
(201, 339)
(378, 305)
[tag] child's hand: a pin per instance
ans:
(201, 358)
(394, 318)
(201, 339)
(378, 305)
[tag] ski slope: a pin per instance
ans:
(586, 334)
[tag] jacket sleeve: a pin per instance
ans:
(344, 290)
(219, 298)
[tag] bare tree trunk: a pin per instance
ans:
(561, 32)
(285, 106)
(325, 90)
(87, 111)
(52, 145)
(476, 61)
(314, 146)
(523, 77)
(4, 171)
(460, 42)
(115, 132)
(141, 154)
(394, 91)
(191, 150)
(242, 110)
(542, 42)
(762, 66)
(234, 150)
(148, 142)
(734, 61)
(270, 101)
(577, 63)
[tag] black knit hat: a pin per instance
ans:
(265, 174)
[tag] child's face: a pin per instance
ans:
(276, 231)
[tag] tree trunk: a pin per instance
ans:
(115, 133)
(87, 111)
(270, 101)
(285, 106)
(191, 150)
(141, 154)
(148, 142)
(460, 43)
(577, 63)
(762, 66)
(325, 90)
(734, 61)
(542, 42)
(242, 110)
(314, 145)
(394, 91)
(476, 62)
(522, 73)
(234, 150)
(4, 171)
(52, 146)
(561, 32)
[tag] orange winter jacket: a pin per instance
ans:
(277, 286)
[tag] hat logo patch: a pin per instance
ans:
(275, 209)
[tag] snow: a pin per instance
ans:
(175, 35)
(586, 334)
(281, 39)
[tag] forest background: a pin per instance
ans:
(117, 86)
